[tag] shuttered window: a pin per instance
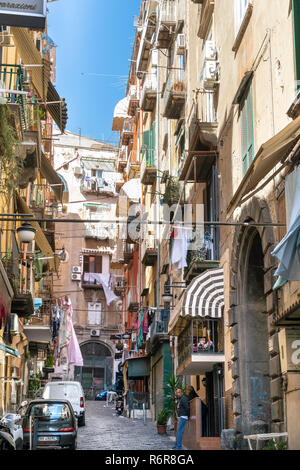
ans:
(94, 313)
(92, 264)
(247, 132)
(148, 145)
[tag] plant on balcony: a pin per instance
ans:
(11, 163)
(205, 346)
(49, 362)
(172, 192)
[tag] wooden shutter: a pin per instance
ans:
(91, 313)
(247, 133)
(146, 145)
(86, 264)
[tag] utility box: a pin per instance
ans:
(289, 348)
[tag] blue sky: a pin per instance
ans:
(92, 37)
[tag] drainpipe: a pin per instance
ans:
(158, 180)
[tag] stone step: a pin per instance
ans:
(210, 443)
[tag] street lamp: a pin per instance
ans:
(26, 233)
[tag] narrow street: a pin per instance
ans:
(105, 431)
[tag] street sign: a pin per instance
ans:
(26, 14)
(289, 348)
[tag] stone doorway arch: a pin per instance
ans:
(96, 374)
(251, 279)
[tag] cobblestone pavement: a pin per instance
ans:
(104, 431)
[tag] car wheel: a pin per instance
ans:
(81, 421)
(74, 445)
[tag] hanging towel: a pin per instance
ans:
(3, 313)
(288, 250)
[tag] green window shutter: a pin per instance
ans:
(296, 33)
(247, 132)
(146, 143)
(153, 143)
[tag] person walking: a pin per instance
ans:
(183, 413)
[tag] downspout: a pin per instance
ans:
(157, 130)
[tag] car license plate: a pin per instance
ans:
(48, 439)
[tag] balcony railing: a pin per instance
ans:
(127, 132)
(174, 94)
(149, 251)
(96, 231)
(148, 167)
(149, 93)
(205, 111)
(201, 338)
(98, 185)
(11, 78)
(203, 252)
(159, 325)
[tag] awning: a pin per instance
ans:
(37, 334)
(138, 367)
(132, 190)
(204, 297)
(40, 237)
(9, 350)
(58, 110)
(120, 114)
(31, 56)
(269, 154)
(52, 177)
(102, 165)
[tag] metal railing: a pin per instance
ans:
(204, 107)
(203, 247)
(167, 11)
(174, 84)
(201, 337)
(11, 78)
(159, 325)
(98, 185)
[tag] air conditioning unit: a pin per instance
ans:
(210, 74)
(76, 269)
(95, 333)
(78, 171)
(180, 44)
(14, 324)
(210, 51)
(76, 277)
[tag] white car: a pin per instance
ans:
(13, 423)
(71, 391)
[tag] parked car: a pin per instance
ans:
(71, 391)
(13, 422)
(54, 424)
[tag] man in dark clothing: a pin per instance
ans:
(183, 413)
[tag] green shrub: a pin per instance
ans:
(163, 416)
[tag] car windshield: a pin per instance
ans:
(51, 411)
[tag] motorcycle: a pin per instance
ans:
(120, 404)
(6, 440)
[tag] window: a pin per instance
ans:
(240, 10)
(94, 313)
(247, 132)
(92, 264)
(148, 145)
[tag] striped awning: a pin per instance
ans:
(204, 297)
(57, 107)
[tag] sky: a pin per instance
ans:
(92, 37)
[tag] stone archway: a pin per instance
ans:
(251, 279)
(97, 371)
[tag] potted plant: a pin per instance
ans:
(162, 419)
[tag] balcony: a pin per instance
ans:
(203, 253)
(148, 167)
(128, 251)
(159, 327)
(127, 133)
(149, 93)
(203, 117)
(122, 160)
(38, 327)
(132, 302)
(134, 100)
(91, 280)
(200, 347)
(98, 185)
(145, 42)
(11, 78)
(96, 231)
(167, 24)
(174, 95)
(149, 252)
